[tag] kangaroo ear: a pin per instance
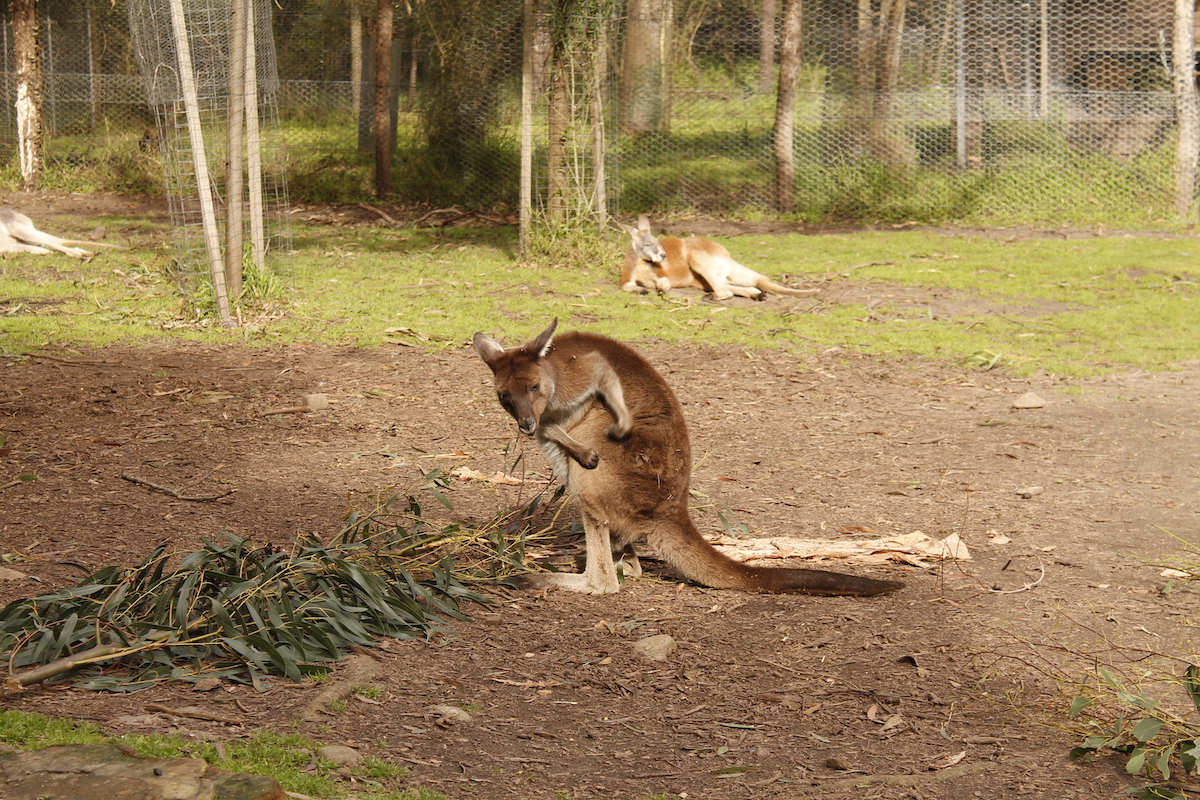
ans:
(541, 344)
(643, 224)
(632, 231)
(487, 348)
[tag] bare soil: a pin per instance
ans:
(766, 696)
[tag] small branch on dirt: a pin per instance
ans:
(1026, 587)
(10, 484)
(848, 270)
(381, 214)
(287, 410)
(450, 210)
(73, 361)
(194, 713)
(360, 670)
(176, 494)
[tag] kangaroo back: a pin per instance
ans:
(638, 488)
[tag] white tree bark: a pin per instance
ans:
(1187, 110)
(26, 43)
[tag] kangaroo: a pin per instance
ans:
(638, 488)
(548, 396)
(18, 235)
(672, 263)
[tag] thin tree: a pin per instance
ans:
(30, 129)
(790, 52)
(1187, 110)
(766, 46)
(383, 99)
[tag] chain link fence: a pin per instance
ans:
(988, 111)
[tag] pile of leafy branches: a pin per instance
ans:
(241, 611)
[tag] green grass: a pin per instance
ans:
(1064, 306)
(285, 757)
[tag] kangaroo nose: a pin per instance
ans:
(527, 425)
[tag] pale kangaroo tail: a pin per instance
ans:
(687, 552)
(771, 287)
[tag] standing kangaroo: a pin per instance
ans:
(672, 263)
(18, 235)
(637, 489)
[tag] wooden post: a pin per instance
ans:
(234, 141)
(208, 214)
(258, 242)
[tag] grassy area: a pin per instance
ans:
(1069, 307)
(288, 758)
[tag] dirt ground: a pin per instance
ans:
(766, 696)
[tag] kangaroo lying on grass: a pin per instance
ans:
(636, 489)
(672, 263)
(17, 235)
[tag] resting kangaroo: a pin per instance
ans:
(638, 488)
(17, 235)
(672, 263)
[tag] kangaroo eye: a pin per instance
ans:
(537, 387)
(503, 397)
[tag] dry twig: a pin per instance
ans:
(174, 493)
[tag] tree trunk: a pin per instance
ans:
(356, 56)
(383, 98)
(887, 148)
(26, 42)
(642, 86)
(766, 46)
(556, 156)
(790, 51)
(1187, 110)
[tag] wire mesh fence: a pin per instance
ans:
(211, 78)
(975, 110)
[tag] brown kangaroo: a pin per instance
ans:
(672, 263)
(638, 488)
(18, 235)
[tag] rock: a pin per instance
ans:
(106, 771)
(1030, 491)
(1029, 400)
(7, 574)
(654, 648)
(450, 714)
(207, 684)
(341, 755)
(315, 402)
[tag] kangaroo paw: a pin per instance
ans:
(588, 459)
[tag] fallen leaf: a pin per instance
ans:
(942, 762)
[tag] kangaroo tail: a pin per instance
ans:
(771, 287)
(685, 550)
(92, 245)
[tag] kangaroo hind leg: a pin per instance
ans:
(599, 574)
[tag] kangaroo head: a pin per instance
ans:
(645, 246)
(522, 385)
